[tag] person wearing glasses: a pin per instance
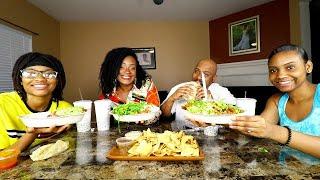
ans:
(180, 93)
(38, 81)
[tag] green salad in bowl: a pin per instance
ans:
(210, 111)
(135, 112)
(131, 108)
(59, 117)
(211, 107)
(71, 111)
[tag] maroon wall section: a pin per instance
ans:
(274, 30)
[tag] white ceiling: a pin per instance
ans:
(142, 10)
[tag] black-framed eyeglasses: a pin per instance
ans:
(31, 74)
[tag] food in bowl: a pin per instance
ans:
(48, 119)
(8, 158)
(131, 108)
(211, 108)
(124, 144)
(71, 111)
(212, 112)
(135, 112)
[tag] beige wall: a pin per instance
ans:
(84, 45)
(30, 17)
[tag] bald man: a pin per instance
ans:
(177, 95)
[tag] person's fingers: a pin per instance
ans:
(194, 122)
(200, 94)
(52, 129)
(39, 130)
(249, 122)
(68, 126)
(244, 129)
(62, 128)
(246, 124)
(30, 130)
(179, 93)
(198, 123)
(184, 91)
(202, 124)
(246, 118)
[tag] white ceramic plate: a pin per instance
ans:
(42, 119)
(154, 113)
(217, 119)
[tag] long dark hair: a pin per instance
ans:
(290, 47)
(110, 68)
(33, 59)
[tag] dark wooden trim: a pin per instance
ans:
(20, 27)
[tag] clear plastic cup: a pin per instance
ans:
(104, 144)
(248, 105)
(102, 109)
(85, 124)
(84, 148)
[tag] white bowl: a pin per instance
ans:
(216, 119)
(42, 119)
(154, 113)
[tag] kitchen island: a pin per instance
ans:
(229, 155)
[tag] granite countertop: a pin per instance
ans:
(228, 155)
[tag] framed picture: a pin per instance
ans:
(146, 57)
(244, 36)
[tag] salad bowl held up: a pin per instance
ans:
(210, 111)
(211, 119)
(59, 118)
(136, 112)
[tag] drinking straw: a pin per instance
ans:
(245, 94)
(80, 94)
(204, 86)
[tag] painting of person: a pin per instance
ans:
(244, 43)
(144, 58)
(244, 36)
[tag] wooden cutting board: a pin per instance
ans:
(116, 154)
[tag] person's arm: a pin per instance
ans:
(302, 142)
(258, 125)
(24, 142)
(266, 126)
(177, 92)
(306, 143)
(167, 106)
(270, 112)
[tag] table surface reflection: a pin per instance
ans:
(228, 155)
